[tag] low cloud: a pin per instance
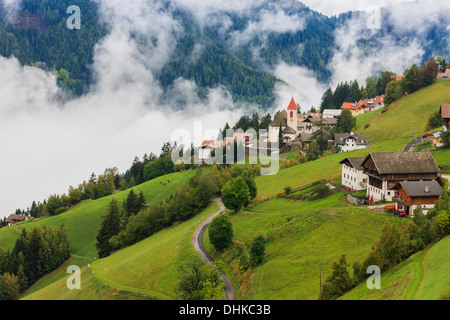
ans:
(48, 142)
(299, 83)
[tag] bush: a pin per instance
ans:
(434, 122)
(288, 190)
(244, 261)
(446, 138)
(198, 281)
(257, 251)
(220, 232)
(235, 194)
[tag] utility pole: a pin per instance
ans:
(320, 279)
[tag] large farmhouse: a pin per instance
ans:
(353, 175)
(386, 170)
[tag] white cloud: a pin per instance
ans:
(336, 7)
(274, 20)
(47, 144)
(11, 8)
(354, 59)
(299, 83)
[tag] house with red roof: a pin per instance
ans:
(356, 108)
(372, 104)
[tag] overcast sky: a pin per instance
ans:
(46, 146)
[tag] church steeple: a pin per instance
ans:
(292, 115)
(292, 105)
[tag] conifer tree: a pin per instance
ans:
(109, 228)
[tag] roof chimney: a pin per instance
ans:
(427, 189)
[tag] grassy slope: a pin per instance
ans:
(398, 120)
(424, 276)
(301, 237)
(294, 253)
(147, 269)
(315, 234)
(442, 157)
(83, 221)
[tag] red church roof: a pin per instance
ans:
(292, 105)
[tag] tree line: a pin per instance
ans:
(35, 253)
(109, 182)
(415, 78)
(137, 220)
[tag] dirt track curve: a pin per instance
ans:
(197, 242)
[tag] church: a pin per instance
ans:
(287, 120)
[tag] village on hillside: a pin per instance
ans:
(407, 179)
(297, 130)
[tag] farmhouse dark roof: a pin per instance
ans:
(15, 217)
(445, 111)
(403, 162)
(422, 188)
(355, 162)
(306, 137)
(339, 139)
(280, 120)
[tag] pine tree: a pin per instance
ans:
(110, 227)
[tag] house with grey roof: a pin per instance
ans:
(386, 169)
(412, 194)
(350, 141)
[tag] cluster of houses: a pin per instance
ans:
(409, 179)
(364, 106)
(299, 128)
(406, 178)
(207, 146)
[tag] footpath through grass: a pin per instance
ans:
(147, 269)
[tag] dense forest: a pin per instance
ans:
(38, 35)
(35, 253)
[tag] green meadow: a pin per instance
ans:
(83, 221)
(424, 276)
(409, 115)
(147, 269)
(303, 237)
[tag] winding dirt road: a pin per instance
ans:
(197, 242)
